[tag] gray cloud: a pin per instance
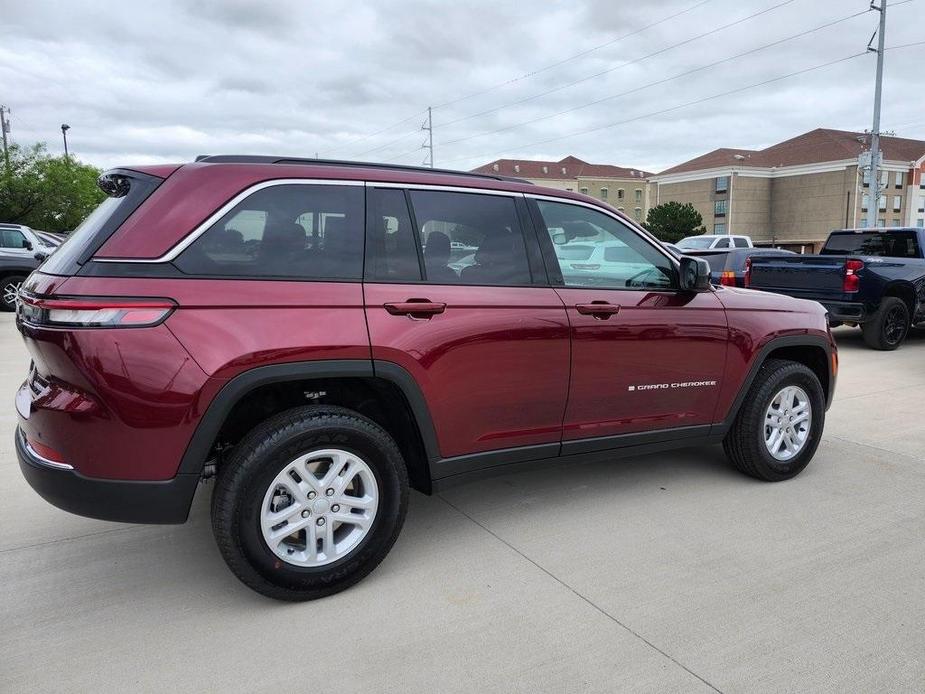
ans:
(152, 82)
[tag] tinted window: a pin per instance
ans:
(391, 254)
(895, 244)
(293, 231)
(740, 242)
(717, 261)
(620, 258)
(11, 238)
(469, 238)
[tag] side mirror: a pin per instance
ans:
(27, 244)
(695, 274)
(40, 256)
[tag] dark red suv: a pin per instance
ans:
(319, 336)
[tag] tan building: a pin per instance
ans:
(626, 189)
(794, 193)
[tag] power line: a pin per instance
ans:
(621, 65)
(673, 108)
(527, 75)
(570, 58)
(657, 82)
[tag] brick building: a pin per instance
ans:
(794, 193)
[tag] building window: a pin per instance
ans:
(897, 203)
(569, 190)
(920, 222)
(563, 170)
(922, 181)
(619, 209)
(881, 222)
(894, 223)
(584, 191)
(638, 195)
(883, 202)
(603, 193)
(722, 184)
(546, 169)
(884, 178)
(637, 213)
(516, 168)
(719, 228)
(865, 202)
(719, 208)
(899, 179)
(866, 178)
(619, 194)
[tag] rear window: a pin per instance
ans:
(290, 231)
(894, 244)
(125, 191)
(695, 242)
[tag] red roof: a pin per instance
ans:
(816, 146)
(573, 168)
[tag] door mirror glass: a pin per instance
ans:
(695, 274)
(27, 244)
(559, 238)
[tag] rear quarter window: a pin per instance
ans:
(290, 231)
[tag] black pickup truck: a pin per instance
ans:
(874, 278)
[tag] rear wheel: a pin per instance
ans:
(309, 503)
(889, 326)
(9, 291)
(779, 426)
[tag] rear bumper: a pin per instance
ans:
(125, 501)
(846, 311)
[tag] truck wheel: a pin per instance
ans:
(889, 326)
(9, 286)
(778, 427)
(309, 503)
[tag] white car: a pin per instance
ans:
(705, 242)
(611, 261)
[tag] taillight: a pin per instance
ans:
(850, 281)
(748, 272)
(728, 278)
(93, 312)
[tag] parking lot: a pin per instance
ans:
(669, 572)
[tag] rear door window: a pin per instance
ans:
(391, 252)
(290, 231)
(470, 238)
(740, 242)
(895, 244)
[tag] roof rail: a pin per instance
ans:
(260, 159)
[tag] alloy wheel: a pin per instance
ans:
(319, 507)
(787, 423)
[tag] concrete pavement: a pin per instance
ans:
(669, 572)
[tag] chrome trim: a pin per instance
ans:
(447, 189)
(41, 460)
(642, 233)
(185, 242)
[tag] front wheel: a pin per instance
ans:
(309, 503)
(778, 428)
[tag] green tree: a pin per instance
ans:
(672, 221)
(46, 192)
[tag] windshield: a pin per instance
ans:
(888, 244)
(695, 242)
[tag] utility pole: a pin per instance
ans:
(5, 127)
(64, 128)
(429, 144)
(874, 207)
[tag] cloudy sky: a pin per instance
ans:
(639, 84)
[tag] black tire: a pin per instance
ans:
(7, 284)
(890, 325)
(243, 481)
(745, 442)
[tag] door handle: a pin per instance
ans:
(601, 310)
(416, 308)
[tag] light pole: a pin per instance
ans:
(64, 128)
